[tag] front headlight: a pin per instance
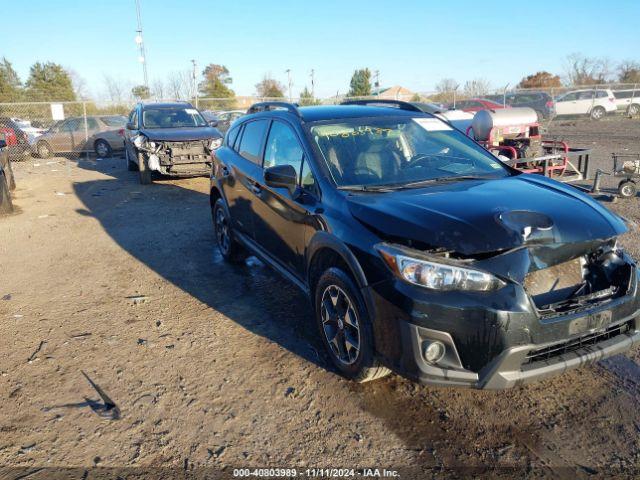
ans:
(435, 275)
(139, 140)
(215, 144)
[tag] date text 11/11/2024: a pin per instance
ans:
(315, 472)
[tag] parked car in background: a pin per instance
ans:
(595, 103)
(171, 139)
(27, 127)
(17, 141)
(476, 104)
(628, 101)
(101, 134)
(226, 118)
(420, 251)
(541, 102)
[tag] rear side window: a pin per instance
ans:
(251, 142)
(92, 124)
(601, 94)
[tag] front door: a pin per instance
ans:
(567, 105)
(281, 216)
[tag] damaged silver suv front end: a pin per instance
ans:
(177, 158)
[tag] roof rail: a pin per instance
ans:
(266, 106)
(384, 103)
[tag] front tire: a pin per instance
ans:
(229, 247)
(131, 166)
(598, 113)
(634, 110)
(144, 172)
(43, 150)
(345, 327)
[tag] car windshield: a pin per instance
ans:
(401, 152)
(172, 117)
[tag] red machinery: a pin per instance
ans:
(515, 135)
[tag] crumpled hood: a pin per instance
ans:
(180, 134)
(481, 216)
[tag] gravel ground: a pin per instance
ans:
(217, 367)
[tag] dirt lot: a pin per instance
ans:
(214, 366)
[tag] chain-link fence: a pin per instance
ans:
(46, 128)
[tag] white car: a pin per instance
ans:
(628, 101)
(594, 103)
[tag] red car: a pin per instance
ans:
(477, 104)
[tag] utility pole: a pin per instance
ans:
(142, 58)
(194, 88)
(288, 72)
(313, 84)
(376, 73)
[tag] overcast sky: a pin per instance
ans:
(412, 43)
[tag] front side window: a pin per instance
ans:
(391, 152)
(172, 117)
(251, 141)
(283, 147)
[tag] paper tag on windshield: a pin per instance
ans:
(432, 124)
(191, 111)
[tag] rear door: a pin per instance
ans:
(585, 102)
(244, 171)
(83, 134)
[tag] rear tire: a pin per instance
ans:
(345, 327)
(229, 247)
(627, 189)
(102, 149)
(597, 113)
(145, 173)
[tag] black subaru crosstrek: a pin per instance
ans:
(420, 251)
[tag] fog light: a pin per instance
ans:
(433, 351)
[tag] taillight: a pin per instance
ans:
(121, 132)
(611, 99)
(549, 104)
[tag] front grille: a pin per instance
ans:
(574, 344)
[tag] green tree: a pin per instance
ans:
(269, 87)
(216, 82)
(540, 80)
(360, 83)
(49, 82)
(307, 98)
(10, 86)
(140, 92)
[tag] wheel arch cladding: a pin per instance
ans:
(326, 251)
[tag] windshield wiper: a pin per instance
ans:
(430, 181)
(367, 188)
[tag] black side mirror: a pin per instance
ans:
(213, 123)
(281, 176)
(130, 126)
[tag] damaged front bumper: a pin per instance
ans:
(498, 339)
(179, 159)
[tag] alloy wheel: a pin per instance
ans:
(222, 232)
(340, 324)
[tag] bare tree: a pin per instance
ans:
(445, 90)
(157, 89)
(79, 84)
(581, 70)
(118, 90)
(478, 87)
(629, 71)
(179, 85)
